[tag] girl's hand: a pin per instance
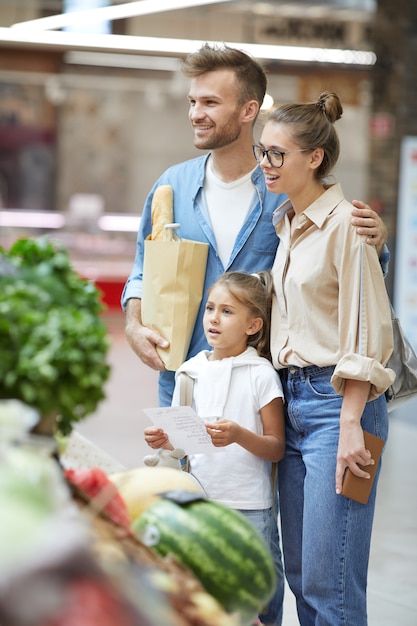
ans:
(157, 438)
(223, 432)
(268, 445)
(351, 452)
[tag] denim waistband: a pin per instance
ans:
(304, 372)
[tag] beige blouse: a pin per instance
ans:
(315, 310)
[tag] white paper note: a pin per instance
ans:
(184, 428)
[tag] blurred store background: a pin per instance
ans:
(93, 108)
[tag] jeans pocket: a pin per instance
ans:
(321, 386)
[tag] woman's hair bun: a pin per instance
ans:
(329, 103)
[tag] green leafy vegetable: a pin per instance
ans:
(53, 341)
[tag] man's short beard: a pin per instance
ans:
(218, 141)
(226, 135)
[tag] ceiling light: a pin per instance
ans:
(267, 103)
(114, 12)
(31, 219)
(131, 61)
(178, 47)
(119, 222)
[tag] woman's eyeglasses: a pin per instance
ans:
(275, 157)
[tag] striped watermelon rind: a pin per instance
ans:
(219, 545)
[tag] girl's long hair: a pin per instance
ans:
(254, 291)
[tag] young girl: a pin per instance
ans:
(239, 395)
(331, 345)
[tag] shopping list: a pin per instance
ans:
(184, 428)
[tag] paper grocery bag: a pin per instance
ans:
(172, 289)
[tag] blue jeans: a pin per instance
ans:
(326, 537)
(166, 384)
(265, 521)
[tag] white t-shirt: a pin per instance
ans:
(243, 385)
(228, 205)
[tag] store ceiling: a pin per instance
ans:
(320, 24)
(305, 7)
(274, 8)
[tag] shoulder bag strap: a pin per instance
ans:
(186, 389)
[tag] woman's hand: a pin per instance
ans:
(351, 453)
(351, 450)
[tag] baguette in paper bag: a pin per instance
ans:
(173, 281)
(162, 211)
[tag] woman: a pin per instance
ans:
(331, 346)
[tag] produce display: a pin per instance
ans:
(218, 544)
(143, 547)
(31, 493)
(53, 340)
(94, 483)
(68, 554)
(79, 547)
(140, 487)
(163, 589)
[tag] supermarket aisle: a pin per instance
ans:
(118, 425)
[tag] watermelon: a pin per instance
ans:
(218, 544)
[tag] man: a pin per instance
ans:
(220, 198)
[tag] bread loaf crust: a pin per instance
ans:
(162, 211)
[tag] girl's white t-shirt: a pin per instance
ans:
(232, 475)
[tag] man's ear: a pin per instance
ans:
(254, 326)
(250, 111)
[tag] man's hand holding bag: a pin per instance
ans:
(173, 281)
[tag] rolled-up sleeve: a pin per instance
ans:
(356, 367)
(365, 331)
